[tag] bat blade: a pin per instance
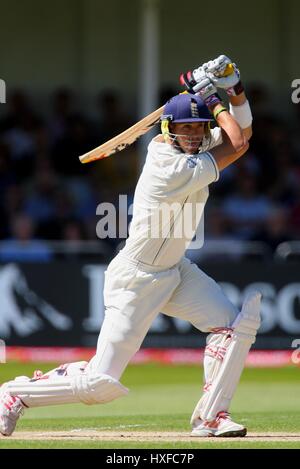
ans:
(123, 140)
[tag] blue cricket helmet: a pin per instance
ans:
(186, 107)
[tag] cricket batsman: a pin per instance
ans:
(151, 274)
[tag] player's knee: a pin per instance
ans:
(231, 314)
(224, 318)
(91, 388)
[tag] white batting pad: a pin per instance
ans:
(97, 389)
(224, 384)
(82, 387)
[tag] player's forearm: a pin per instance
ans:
(225, 154)
(231, 129)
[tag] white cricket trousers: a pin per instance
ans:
(135, 293)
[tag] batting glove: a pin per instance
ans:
(220, 71)
(217, 66)
(225, 75)
(198, 82)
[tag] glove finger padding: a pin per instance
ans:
(225, 82)
(217, 73)
(218, 66)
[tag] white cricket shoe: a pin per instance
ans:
(11, 408)
(222, 426)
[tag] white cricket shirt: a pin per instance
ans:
(168, 202)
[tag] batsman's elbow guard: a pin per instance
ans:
(242, 114)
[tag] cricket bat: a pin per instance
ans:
(129, 136)
(124, 139)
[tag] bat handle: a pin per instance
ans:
(228, 70)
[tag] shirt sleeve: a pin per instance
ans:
(175, 174)
(215, 138)
(193, 172)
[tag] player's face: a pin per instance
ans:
(189, 135)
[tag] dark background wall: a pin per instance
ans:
(93, 44)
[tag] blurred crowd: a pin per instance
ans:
(47, 194)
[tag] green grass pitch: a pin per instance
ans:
(161, 399)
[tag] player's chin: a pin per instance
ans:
(191, 149)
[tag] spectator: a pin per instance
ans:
(22, 247)
(246, 210)
(18, 133)
(295, 213)
(112, 119)
(14, 200)
(41, 203)
(76, 141)
(287, 179)
(7, 176)
(73, 231)
(63, 103)
(41, 176)
(276, 230)
(17, 104)
(219, 243)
